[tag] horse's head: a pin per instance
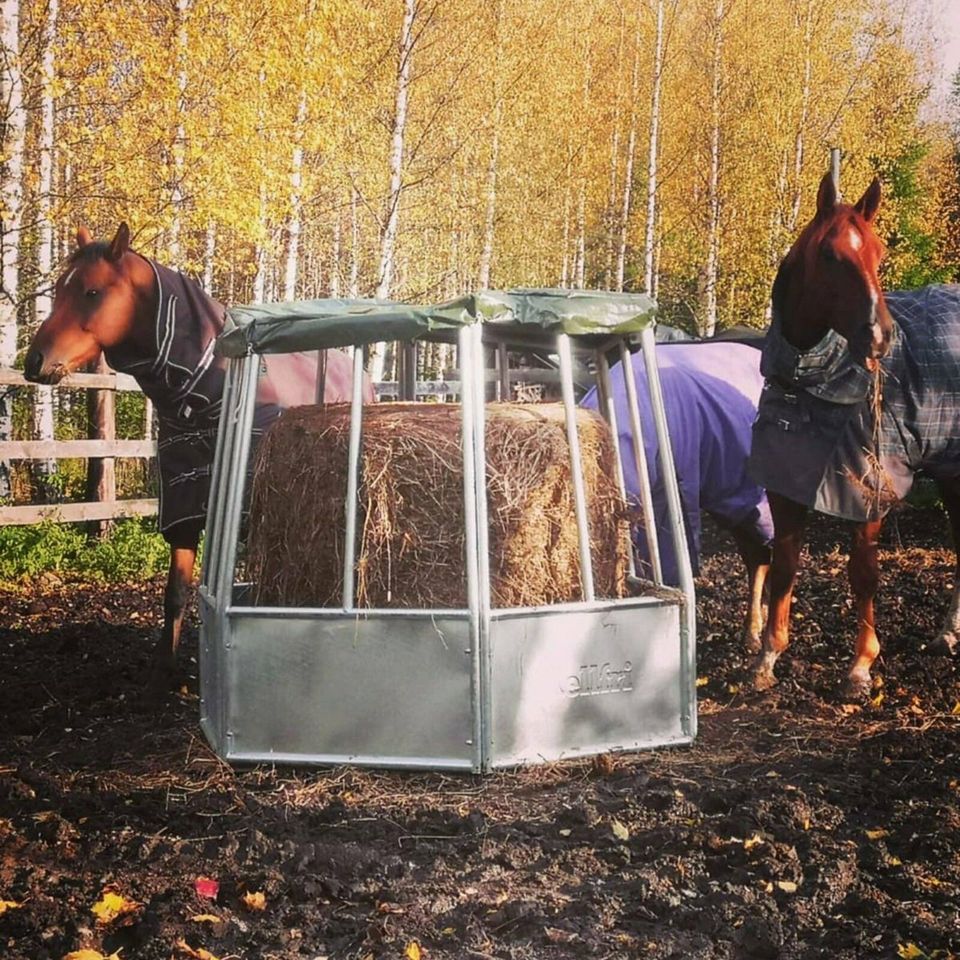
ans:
(94, 305)
(828, 280)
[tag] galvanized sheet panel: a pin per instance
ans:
(336, 688)
(581, 682)
(212, 694)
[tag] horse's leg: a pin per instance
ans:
(789, 523)
(183, 542)
(864, 573)
(756, 558)
(949, 640)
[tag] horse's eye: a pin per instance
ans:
(92, 294)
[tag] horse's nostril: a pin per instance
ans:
(33, 364)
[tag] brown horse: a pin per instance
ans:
(861, 392)
(160, 327)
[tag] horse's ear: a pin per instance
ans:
(868, 204)
(826, 196)
(120, 244)
(84, 237)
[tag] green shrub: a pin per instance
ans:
(132, 550)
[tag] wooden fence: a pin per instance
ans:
(107, 506)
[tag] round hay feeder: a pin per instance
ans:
(466, 682)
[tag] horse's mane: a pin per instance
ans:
(97, 250)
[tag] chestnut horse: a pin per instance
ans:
(160, 327)
(862, 391)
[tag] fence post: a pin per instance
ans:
(101, 471)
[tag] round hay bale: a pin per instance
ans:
(411, 511)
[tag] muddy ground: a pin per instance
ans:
(796, 826)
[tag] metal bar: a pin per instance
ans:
(353, 481)
(243, 418)
(209, 570)
(471, 542)
(640, 464)
(321, 387)
(605, 389)
(576, 466)
(77, 512)
(688, 632)
(483, 541)
(59, 449)
(503, 369)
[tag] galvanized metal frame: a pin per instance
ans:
(498, 642)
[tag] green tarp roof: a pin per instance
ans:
(318, 324)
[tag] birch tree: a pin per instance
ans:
(11, 198)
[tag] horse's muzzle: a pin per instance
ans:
(34, 372)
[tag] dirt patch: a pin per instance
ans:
(795, 827)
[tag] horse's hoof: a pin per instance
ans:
(858, 687)
(946, 645)
(763, 676)
(752, 642)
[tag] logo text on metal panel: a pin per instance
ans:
(594, 679)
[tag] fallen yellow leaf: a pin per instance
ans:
(620, 831)
(255, 901)
(6, 905)
(197, 953)
(877, 834)
(206, 918)
(910, 951)
(787, 886)
(112, 905)
(702, 681)
(956, 707)
(753, 841)
(91, 955)
(413, 951)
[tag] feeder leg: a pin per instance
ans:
(948, 642)
(789, 522)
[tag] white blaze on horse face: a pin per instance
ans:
(856, 241)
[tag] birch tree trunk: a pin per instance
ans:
(11, 205)
(649, 243)
(354, 243)
(295, 221)
(628, 169)
(335, 253)
(43, 396)
(799, 144)
(490, 218)
(709, 325)
(612, 218)
(179, 143)
(388, 241)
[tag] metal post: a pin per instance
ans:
(353, 481)
(605, 390)
(241, 417)
(640, 465)
(210, 565)
(471, 545)
(835, 169)
(503, 363)
(576, 466)
(667, 467)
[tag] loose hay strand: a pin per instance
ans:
(411, 549)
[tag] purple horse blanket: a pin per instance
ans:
(710, 393)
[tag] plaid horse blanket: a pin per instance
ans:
(183, 377)
(710, 393)
(816, 440)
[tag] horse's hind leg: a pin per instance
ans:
(864, 573)
(789, 522)
(949, 640)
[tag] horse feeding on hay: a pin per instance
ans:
(710, 395)
(160, 327)
(862, 391)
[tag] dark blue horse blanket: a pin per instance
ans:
(184, 378)
(710, 393)
(816, 441)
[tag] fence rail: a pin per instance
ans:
(104, 450)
